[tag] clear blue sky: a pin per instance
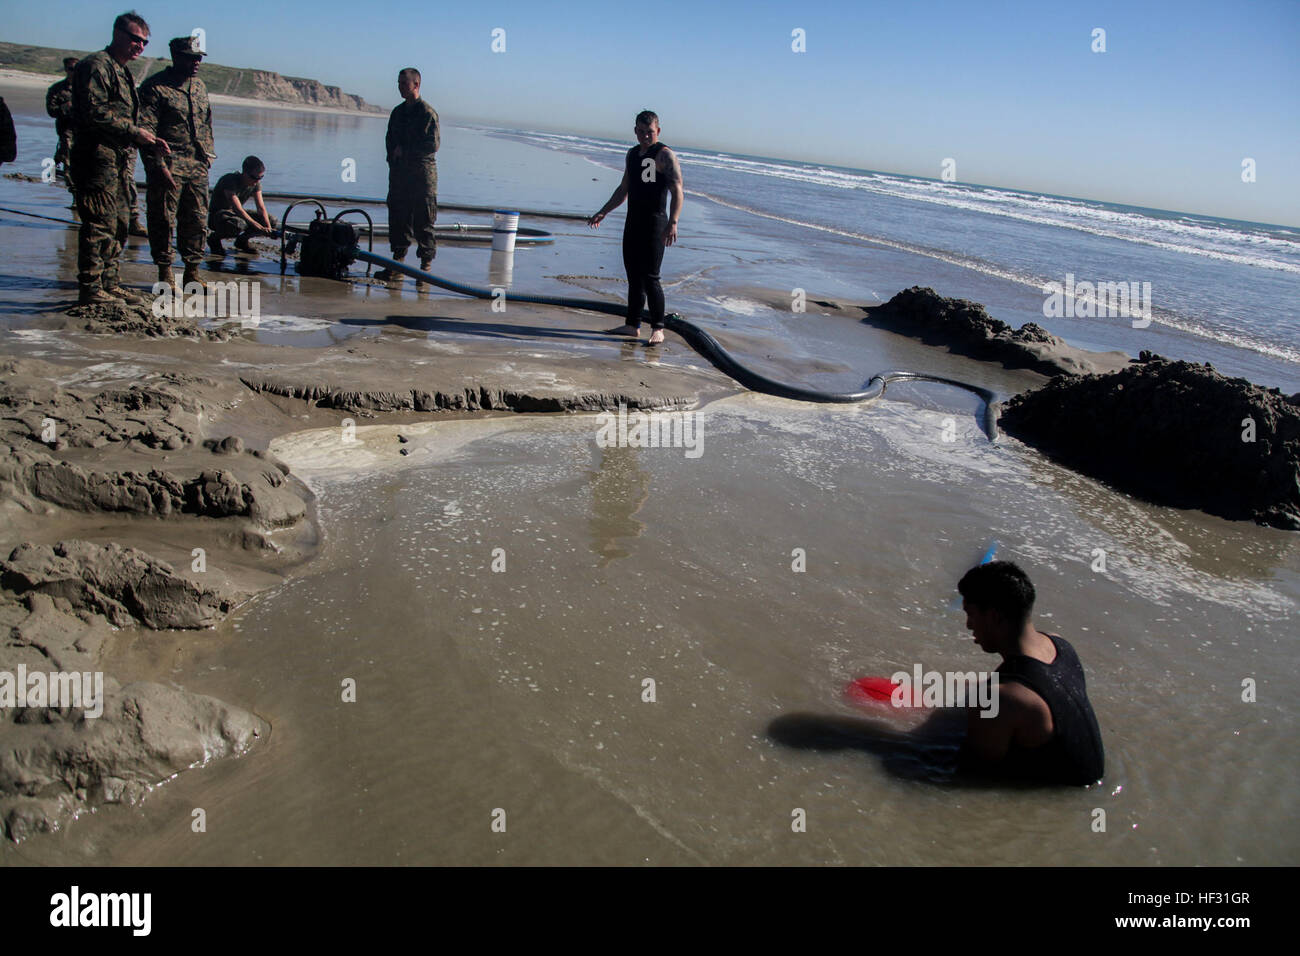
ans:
(1010, 90)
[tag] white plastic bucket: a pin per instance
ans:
(505, 226)
(501, 269)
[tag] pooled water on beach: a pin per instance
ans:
(502, 594)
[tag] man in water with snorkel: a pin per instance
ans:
(1044, 728)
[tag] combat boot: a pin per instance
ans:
(388, 275)
(93, 295)
(191, 275)
(130, 296)
(165, 274)
(215, 246)
(136, 229)
(420, 284)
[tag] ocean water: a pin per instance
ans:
(502, 593)
(1230, 288)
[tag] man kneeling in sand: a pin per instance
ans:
(1044, 728)
(227, 217)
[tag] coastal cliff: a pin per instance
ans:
(221, 80)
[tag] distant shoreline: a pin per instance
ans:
(42, 80)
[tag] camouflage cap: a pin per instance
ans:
(186, 46)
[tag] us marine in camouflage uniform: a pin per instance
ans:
(413, 138)
(174, 107)
(58, 103)
(105, 111)
(228, 218)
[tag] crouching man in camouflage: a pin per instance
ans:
(105, 112)
(227, 217)
(174, 107)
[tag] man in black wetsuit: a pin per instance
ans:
(1045, 729)
(650, 174)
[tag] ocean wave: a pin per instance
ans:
(1184, 234)
(1213, 242)
(1159, 316)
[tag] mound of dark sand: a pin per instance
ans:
(130, 319)
(59, 761)
(156, 417)
(124, 585)
(263, 498)
(129, 451)
(966, 328)
(1173, 433)
(114, 744)
(138, 450)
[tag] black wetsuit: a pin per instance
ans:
(1074, 755)
(643, 234)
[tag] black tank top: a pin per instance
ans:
(1074, 755)
(645, 200)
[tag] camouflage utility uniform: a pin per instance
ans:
(413, 139)
(58, 103)
(105, 111)
(132, 195)
(223, 221)
(175, 108)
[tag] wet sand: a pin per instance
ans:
(522, 690)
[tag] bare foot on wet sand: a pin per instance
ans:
(657, 337)
(631, 331)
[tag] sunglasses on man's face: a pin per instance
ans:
(136, 38)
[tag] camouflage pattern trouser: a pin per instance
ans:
(183, 208)
(132, 196)
(102, 178)
(63, 155)
(412, 210)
